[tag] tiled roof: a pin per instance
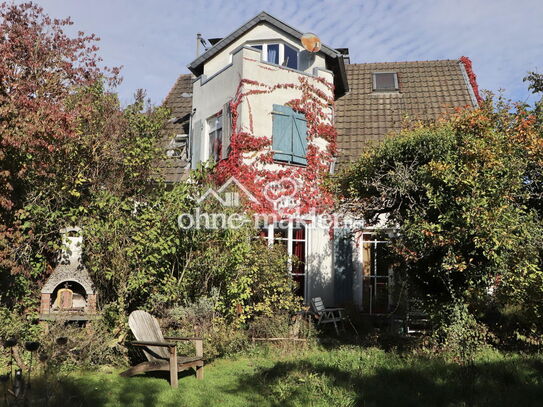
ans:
(427, 90)
(179, 101)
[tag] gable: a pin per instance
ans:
(261, 33)
(331, 58)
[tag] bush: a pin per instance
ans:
(459, 335)
(201, 319)
(66, 346)
(282, 325)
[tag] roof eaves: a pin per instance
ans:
(261, 17)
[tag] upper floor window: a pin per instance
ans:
(215, 137)
(279, 53)
(289, 132)
(385, 82)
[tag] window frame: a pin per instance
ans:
(290, 240)
(282, 44)
(214, 127)
(371, 277)
(396, 82)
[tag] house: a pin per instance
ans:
(267, 111)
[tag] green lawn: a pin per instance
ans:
(348, 376)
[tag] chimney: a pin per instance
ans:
(345, 53)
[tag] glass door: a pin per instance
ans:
(377, 272)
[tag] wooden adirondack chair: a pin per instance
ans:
(160, 351)
(327, 315)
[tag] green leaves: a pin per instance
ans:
(461, 194)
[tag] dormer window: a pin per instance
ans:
(279, 53)
(385, 82)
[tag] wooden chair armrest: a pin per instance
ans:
(198, 343)
(172, 338)
(334, 309)
(150, 343)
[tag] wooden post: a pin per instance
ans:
(199, 345)
(173, 366)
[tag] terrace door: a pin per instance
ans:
(376, 276)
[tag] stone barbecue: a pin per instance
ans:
(69, 293)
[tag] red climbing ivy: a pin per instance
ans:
(251, 157)
(472, 78)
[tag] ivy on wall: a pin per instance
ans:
(251, 160)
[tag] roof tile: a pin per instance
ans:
(428, 90)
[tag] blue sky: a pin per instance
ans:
(155, 40)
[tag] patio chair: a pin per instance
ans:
(161, 351)
(327, 315)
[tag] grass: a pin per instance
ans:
(346, 376)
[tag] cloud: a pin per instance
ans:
(155, 40)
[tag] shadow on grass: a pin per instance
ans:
(518, 382)
(100, 390)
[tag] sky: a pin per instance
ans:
(154, 41)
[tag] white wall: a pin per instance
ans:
(212, 92)
(261, 32)
(320, 276)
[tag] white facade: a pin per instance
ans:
(219, 84)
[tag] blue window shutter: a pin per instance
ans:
(282, 133)
(299, 141)
(289, 135)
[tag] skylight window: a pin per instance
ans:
(385, 82)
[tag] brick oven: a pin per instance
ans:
(68, 293)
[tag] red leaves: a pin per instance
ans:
(40, 67)
(472, 78)
(250, 157)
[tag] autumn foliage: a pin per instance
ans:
(464, 195)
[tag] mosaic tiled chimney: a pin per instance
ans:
(69, 292)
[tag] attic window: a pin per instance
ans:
(279, 53)
(385, 82)
(177, 148)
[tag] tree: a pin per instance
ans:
(64, 140)
(40, 68)
(462, 195)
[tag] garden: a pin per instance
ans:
(464, 193)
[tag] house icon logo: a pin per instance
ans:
(228, 195)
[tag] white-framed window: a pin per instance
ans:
(293, 236)
(279, 53)
(214, 125)
(377, 274)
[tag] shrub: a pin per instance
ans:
(201, 319)
(67, 346)
(459, 335)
